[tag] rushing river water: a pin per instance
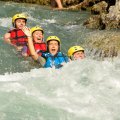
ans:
(81, 90)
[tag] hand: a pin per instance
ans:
(26, 30)
(19, 48)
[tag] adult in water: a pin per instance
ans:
(16, 36)
(53, 57)
(76, 53)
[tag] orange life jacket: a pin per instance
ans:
(18, 37)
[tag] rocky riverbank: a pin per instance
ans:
(101, 18)
(67, 3)
(103, 14)
(103, 44)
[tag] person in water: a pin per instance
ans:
(53, 57)
(38, 40)
(16, 36)
(76, 53)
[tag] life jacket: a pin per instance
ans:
(55, 61)
(39, 48)
(18, 37)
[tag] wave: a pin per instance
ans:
(79, 88)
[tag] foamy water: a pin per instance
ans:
(86, 89)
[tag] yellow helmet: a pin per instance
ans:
(53, 38)
(74, 49)
(36, 28)
(17, 16)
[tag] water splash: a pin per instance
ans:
(78, 89)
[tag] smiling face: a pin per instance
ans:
(78, 55)
(53, 47)
(20, 23)
(38, 37)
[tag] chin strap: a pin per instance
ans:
(72, 57)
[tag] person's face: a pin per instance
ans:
(38, 36)
(78, 55)
(20, 23)
(53, 47)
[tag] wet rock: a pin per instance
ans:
(105, 44)
(110, 20)
(84, 5)
(70, 2)
(110, 3)
(99, 8)
(93, 22)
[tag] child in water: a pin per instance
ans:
(76, 53)
(16, 36)
(38, 40)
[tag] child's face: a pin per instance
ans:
(38, 36)
(53, 47)
(20, 23)
(78, 55)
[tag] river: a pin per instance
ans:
(81, 90)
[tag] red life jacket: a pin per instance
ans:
(39, 48)
(18, 37)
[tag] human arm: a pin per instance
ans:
(8, 40)
(30, 43)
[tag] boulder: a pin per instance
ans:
(99, 8)
(105, 44)
(94, 22)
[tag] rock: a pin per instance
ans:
(70, 2)
(105, 44)
(99, 8)
(83, 4)
(107, 21)
(110, 22)
(93, 22)
(110, 3)
(112, 19)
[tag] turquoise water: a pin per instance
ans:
(81, 90)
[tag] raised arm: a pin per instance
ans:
(30, 43)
